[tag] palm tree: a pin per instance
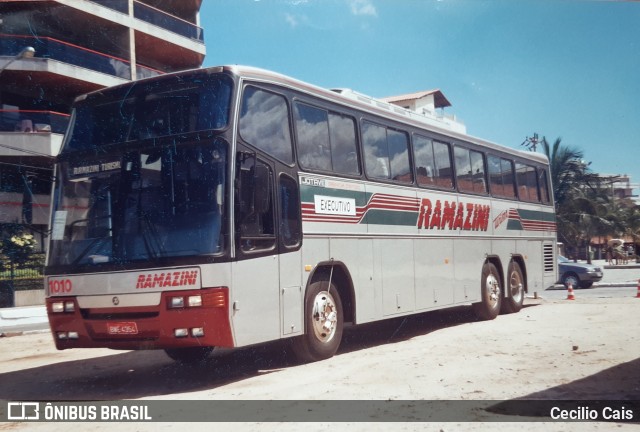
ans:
(574, 187)
(585, 208)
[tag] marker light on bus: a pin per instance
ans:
(181, 332)
(210, 297)
(67, 335)
(59, 307)
(194, 301)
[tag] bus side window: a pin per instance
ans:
(425, 163)
(312, 127)
(344, 153)
(501, 177)
(444, 171)
(470, 170)
(527, 183)
(386, 153)
(255, 217)
(290, 223)
(264, 123)
(544, 186)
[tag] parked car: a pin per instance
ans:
(577, 274)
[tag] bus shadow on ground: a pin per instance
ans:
(137, 374)
(614, 387)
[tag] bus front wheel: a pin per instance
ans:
(490, 293)
(323, 319)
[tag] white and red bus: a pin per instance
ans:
(232, 206)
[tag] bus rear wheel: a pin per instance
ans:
(189, 355)
(323, 320)
(490, 293)
(513, 302)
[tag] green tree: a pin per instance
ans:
(580, 211)
(16, 247)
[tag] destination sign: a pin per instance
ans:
(94, 168)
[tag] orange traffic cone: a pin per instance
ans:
(638, 293)
(570, 295)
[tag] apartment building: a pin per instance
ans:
(53, 50)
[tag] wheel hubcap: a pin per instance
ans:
(516, 286)
(325, 317)
(493, 289)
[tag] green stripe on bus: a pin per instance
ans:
(389, 217)
(536, 215)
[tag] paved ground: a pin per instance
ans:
(585, 349)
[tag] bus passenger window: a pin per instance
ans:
(501, 177)
(344, 153)
(264, 123)
(433, 163)
(425, 163)
(326, 141)
(544, 186)
(312, 127)
(376, 152)
(444, 172)
(508, 179)
(470, 171)
(527, 183)
(495, 176)
(386, 153)
(399, 156)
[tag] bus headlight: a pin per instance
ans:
(57, 307)
(176, 302)
(69, 306)
(195, 301)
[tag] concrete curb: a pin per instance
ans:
(22, 320)
(630, 284)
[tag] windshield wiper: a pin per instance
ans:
(149, 236)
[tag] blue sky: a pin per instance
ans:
(560, 68)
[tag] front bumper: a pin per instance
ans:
(145, 327)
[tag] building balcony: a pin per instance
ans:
(157, 17)
(54, 49)
(33, 121)
(166, 21)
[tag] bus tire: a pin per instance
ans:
(189, 355)
(323, 322)
(513, 302)
(490, 293)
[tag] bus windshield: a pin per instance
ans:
(140, 111)
(143, 204)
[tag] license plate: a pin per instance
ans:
(122, 328)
